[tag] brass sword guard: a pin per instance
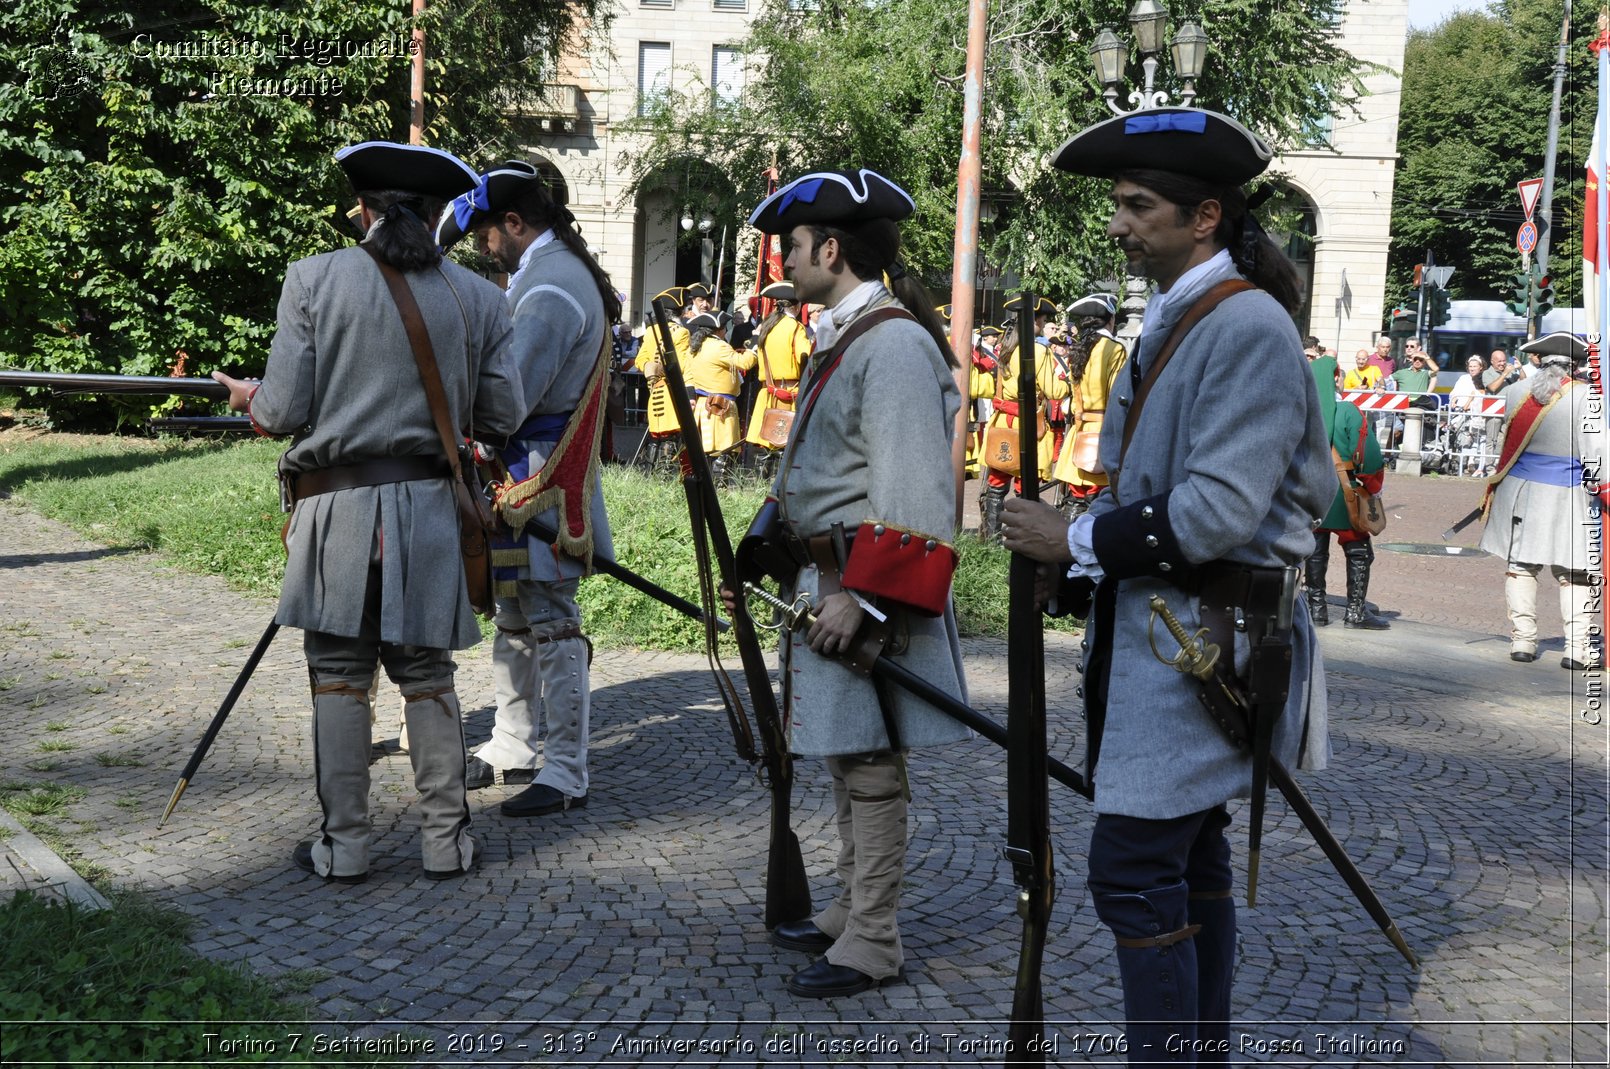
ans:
(1197, 655)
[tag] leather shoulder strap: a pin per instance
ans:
(1194, 315)
(424, 355)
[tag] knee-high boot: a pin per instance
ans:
(1158, 967)
(989, 507)
(1520, 598)
(1360, 555)
(1214, 912)
(341, 741)
(1578, 604)
(1314, 573)
(436, 738)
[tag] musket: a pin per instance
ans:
(219, 717)
(788, 891)
(201, 425)
(639, 583)
(798, 616)
(1464, 521)
(65, 383)
(1028, 805)
(1227, 703)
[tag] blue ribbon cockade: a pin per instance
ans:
(467, 204)
(804, 192)
(1189, 122)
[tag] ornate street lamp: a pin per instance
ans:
(1148, 19)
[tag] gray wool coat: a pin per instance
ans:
(558, 330)
(1230, 455)
(342, 381)
(1534, 522)
(876, 449)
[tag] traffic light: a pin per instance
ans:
(1437, 306)
(1522, 304)
(1401, 325)
(1544, 302)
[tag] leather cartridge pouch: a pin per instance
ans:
(762, 552)
(775, 425)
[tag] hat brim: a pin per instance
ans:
(1561, 343)
(1188, 141)
(502, 188)
(1043, 306)
(384, 165)
(832, 197)
(780, 291)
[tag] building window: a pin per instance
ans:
(732, 5)
(656, 3)
(653, 74)
(726, 75)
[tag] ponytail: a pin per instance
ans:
(400, 234)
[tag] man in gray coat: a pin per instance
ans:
(373, 573)
(867, 502)
(1208, 505)
(563, 304)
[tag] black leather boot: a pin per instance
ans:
(1314, 573)
(1359, 557)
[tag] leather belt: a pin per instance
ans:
(1231, 595)
(299, 485)
(817, 550)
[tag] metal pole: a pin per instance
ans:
(416, 97)
(721, 265)
(965, 269)
(1546, 208)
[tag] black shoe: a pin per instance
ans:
(479, 774)
(801, 935)
(540, 800)
(302, 858)
(1522, 656)
(448, 874)
(1365, 621)
(1571, 664)
(823, 979)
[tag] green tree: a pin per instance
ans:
(879, 84)
(160, 165)
(1474, 121)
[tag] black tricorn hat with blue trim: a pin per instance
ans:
(832, 198)
(375, 166)
(1189, 141)
(494, 192)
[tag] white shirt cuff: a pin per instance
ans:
(1081, 537)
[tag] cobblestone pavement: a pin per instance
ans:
(1470, 790)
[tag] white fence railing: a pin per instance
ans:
(1449, 440)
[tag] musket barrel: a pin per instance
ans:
(161, 385)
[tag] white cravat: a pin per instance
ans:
(829, 322)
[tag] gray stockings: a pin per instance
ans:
(870, 806)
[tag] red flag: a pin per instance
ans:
(770, 259)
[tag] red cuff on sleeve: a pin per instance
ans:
(258, 427)
(904, 567)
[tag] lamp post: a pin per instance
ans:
(1148, 19)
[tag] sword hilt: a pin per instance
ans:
(1197, 655)
(790, 616)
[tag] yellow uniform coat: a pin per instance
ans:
(1050, 385)
(1101, 370)
(781, 356)
(714, 372)
(661, 416)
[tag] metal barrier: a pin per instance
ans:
(1447, 440)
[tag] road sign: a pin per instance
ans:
(1526, 237)
(1529, 190)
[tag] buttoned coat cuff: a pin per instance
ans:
(1137, 539)
(902, 566)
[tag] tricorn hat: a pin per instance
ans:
(1189, 141)
(1043, 306)
(704, 321)
(494, 192)
(671, 299)
(780, 291)
(944, 311)
(1101, 305)
(429, 172)
(832, 198)
(698, 289)
(1560, 347)
(989, 332)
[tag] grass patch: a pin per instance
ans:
(56, 746)
(118, 760)
(39, 799)
(57, 725)
(105, 988)
(213, 508)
